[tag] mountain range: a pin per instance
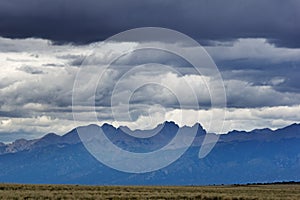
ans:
(261, 155)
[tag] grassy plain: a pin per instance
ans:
(27, 191)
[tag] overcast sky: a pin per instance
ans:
(44, 44)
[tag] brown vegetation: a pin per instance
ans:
(279, 191)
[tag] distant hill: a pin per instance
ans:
(239, 157)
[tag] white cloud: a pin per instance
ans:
(37, 81)
(253, 48)
(239, 118)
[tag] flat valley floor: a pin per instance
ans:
(27, 191)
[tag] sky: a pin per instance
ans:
(45, 44)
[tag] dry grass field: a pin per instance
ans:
(20, 191)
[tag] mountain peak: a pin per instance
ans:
(167, 128)
(170, 124)
(50, 135)
(258, 157)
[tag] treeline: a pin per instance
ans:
(271, 183)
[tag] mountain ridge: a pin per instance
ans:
(72, 137)
(237, 158)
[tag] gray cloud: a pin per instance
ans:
(84, 21)
(30, 70)
(36, 97)
(259, 63)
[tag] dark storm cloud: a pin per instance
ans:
(84, 21)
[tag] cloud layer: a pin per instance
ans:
(37, 80)
(84, 21)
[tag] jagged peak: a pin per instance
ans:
(166, 124)
(161, 125)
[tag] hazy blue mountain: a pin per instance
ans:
(238, 157)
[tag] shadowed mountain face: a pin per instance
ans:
(238, 157)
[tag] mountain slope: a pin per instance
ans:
(238, 157)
